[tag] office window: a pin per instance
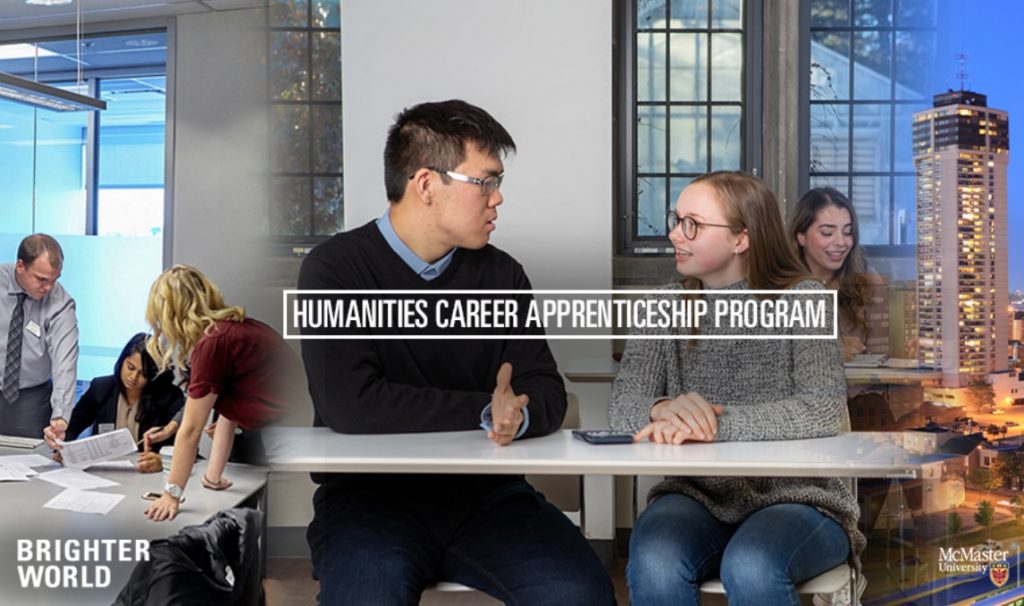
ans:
(87, 173)
(130, 171)
(51, 195)
(687, 108)
(304, 38)
(94, 180)
(870, 71)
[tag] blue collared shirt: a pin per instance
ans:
(429, 271)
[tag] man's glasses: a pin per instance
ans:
(690, 225)
(487, 186)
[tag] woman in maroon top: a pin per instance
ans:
(236, 366)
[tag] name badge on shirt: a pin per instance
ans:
(33, 328)
(104, 428)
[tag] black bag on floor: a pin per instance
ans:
(213, 563)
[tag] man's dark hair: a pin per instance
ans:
(32, 247)
(435, 134)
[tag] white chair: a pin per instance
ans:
(827, 582)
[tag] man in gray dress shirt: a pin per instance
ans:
(38, 341)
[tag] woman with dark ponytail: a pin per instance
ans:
(137, 397)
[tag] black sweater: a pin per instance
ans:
(398, 386)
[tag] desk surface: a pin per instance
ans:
(23, 517)
(857, 454)
(604, 369)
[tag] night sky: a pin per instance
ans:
(989, 33)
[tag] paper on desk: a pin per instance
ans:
(84, 502)
(75, 479)
(83, 453)
(120, 465)
(14, 473)
(18, 468)
(31, 460)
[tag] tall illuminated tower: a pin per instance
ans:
(961, 151)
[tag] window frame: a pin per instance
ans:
(299, 244)
(625, 103)
(887, 250)
(91, 79)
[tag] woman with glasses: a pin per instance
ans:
(761, 536)
(236, 366)
(824, 229)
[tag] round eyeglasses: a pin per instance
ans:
(690, 225)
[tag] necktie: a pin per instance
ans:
(12, 371)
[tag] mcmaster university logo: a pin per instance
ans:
(999, 573)
(974, 560)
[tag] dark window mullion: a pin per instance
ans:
(92, 155)
(851, 61)
(840, 28)
(698, 30)
(630, 176)
(707, 93)
(667, 185)
(868, 101)
(892, 131)
(309, 118)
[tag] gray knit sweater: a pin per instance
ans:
(772, 389)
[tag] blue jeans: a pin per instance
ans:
(373, 543)
(677, 544)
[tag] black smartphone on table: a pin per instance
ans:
(603, 436)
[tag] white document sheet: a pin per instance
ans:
(84, 502)
(119, 465)
(75, 479)
(10, 473)
(18, 468)
(32, 460)
(95, 449)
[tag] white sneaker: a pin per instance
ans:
(841, 597)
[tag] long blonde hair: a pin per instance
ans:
(183, 306)
(748, 203)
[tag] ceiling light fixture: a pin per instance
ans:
(37, 94)
(24, 51)
(46, 96)
(141, 43)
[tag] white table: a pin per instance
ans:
(604, 369)
(849, 455)
(23, 515)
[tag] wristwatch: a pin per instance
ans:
(174, 490)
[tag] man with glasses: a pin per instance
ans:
(382, 539)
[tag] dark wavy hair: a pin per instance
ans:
(156, 381)
(852, 277)
(436, 134)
